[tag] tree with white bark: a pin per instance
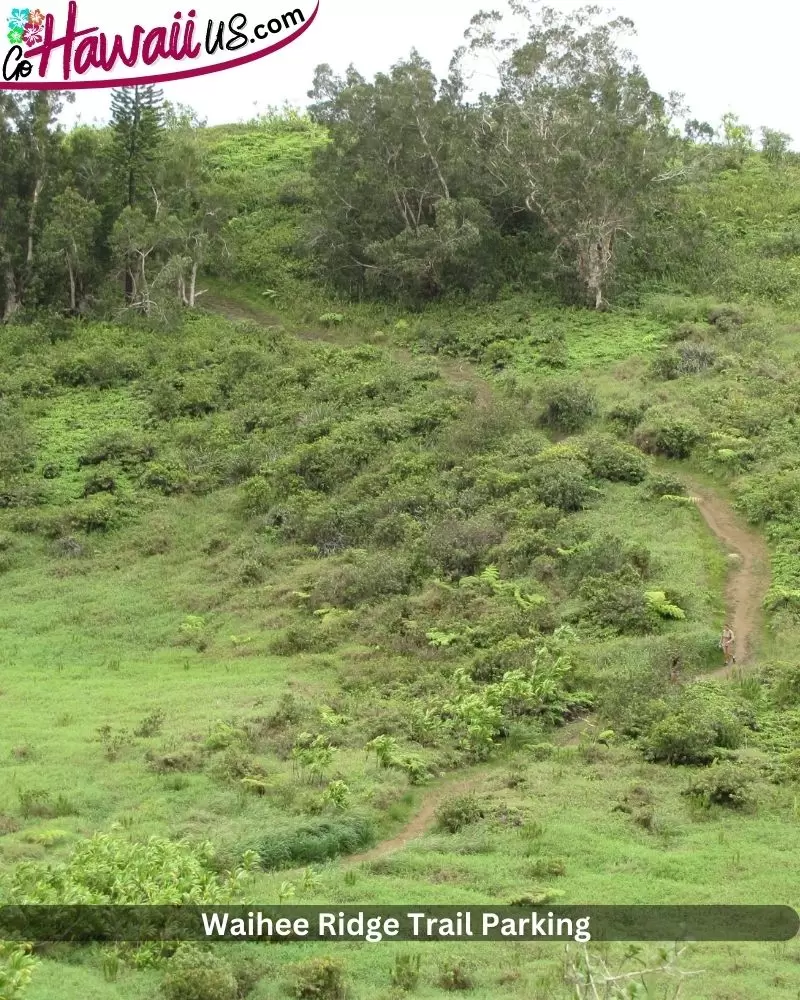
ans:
(68, 240)
(574, 135)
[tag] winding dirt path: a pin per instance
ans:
(749, 578)
(747, 583)
(455, 371)
(422, 821)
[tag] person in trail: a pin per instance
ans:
(727, 645)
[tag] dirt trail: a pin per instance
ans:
(460, 373)
(422, 821)
(748, 581)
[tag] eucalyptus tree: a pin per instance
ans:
(574, 134)
(395, 210)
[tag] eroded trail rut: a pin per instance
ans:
(746, 587)
(748, 580)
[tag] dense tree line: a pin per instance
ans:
(95, 214)
(564, 178)
(562, 172)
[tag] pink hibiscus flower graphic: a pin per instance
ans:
(36, 18)
(33, 35)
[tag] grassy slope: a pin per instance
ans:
(107, 622)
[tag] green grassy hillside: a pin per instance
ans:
(272, 583)
(329, 601)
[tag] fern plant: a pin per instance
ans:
(657, 601)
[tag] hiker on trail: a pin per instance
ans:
(727, 645)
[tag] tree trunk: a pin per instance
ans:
(193, 285)
(129, 286)
(143, 289)
(37, 190)
(595, 258)
(12, 302)
(73, 304)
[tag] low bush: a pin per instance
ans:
(723, 784)
(668, 433)
(692, 735)
(565, 485)
(455, 977)
(627, 414)
(726, 318)
(612, 460)
(164, 477)
(616, 602)
(121, 447)
(660, 484)
(112, 870)
(461, 548)
(151, 724)
(193, 974)
(771, 496)
(100, 512)
(315, 840)
(302, 638)
(361, 578)
(458, 811)
(569, 406)
(405, 972)
(318, 979)
(687, 359)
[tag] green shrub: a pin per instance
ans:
(689, 331)
(36, 802)
(165, 477)
(790, 765)
(151, 724)
(455, 977)
(109, 869)
(193, 974)
(663, 432)
(461, 548)
(17, 967)
(405, 972)
(361, 578)
(458, 811)
(319, 979)
(100, 512)
(565, 485)
(687, 359)
(125, 449)
(609, 459)
(99, 482)
(784, 684)
(235, 764)
(726, 318)
(722, 784)
(769, 497)
(616, 601)
(660, 484)
(569, 406)
(627, 413)
(603, 554)
(104, 368)
(315, 840)
(693, 733)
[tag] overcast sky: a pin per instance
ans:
(721, 54)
